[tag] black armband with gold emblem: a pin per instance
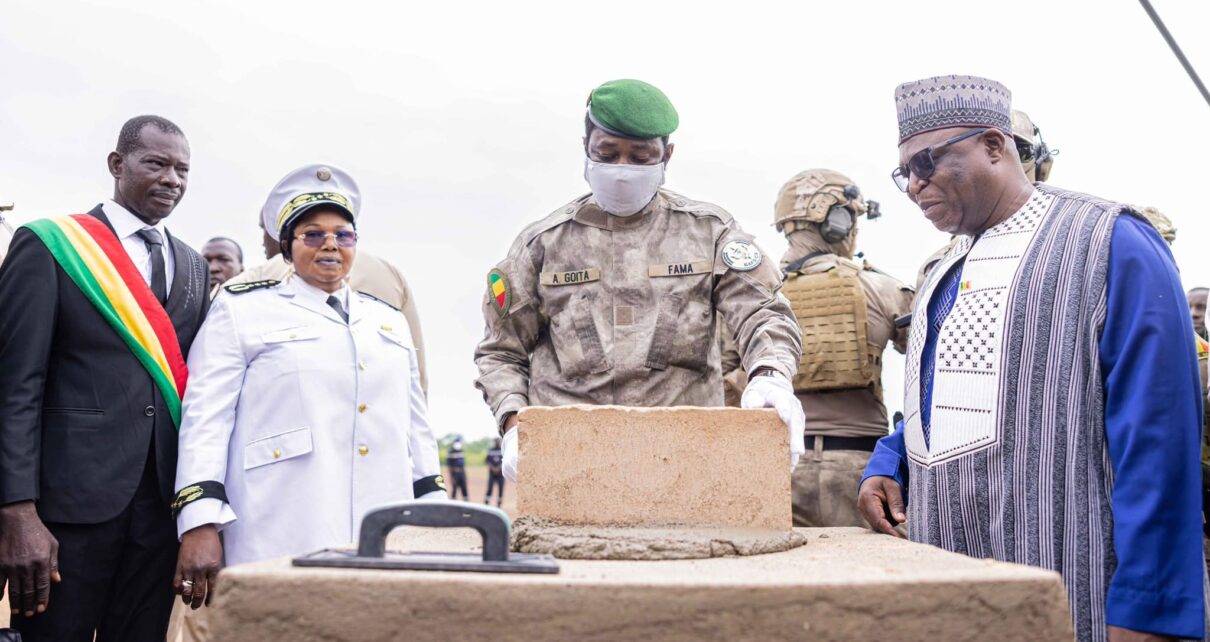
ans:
(194, 492)
(422, 487)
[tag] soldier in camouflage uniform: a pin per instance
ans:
(618, 296)
(847, 313)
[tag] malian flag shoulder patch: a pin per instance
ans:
(499, 291)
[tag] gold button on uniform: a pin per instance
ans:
(276, 454)
(363, 450)
(361, 408)
(361, 364)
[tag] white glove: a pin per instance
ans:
(774, 391)
(508, 449)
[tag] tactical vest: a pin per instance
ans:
(831, 310)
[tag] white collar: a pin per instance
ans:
(126, 224)
(303, 288)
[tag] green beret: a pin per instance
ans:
(633, 109)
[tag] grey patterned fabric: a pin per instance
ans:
(1040, 494)
(952, 101)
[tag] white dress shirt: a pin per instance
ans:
(126, 225)
(310, 291)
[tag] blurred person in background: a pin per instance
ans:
(224, 260)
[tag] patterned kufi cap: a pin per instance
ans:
(952, 101)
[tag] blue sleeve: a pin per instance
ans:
(889, 460)
(1153, 416)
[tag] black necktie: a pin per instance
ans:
(159, 278)
(335, 303)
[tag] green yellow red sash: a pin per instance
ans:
(96, 262)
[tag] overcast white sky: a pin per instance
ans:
(462, 120)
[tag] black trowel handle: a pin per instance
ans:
(492, 523)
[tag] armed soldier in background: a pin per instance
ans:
(847, 313)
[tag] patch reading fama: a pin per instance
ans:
(741, 255)
(499, 290)
(570, 277)
(240, 288)
(681, 268)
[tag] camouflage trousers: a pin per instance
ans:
(825, 486)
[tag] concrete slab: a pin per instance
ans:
(847, 584)
(654, 466)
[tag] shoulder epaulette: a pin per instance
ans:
(558, 217)
(241, 288)
(371, 296)
(698, 208)
(869, 267)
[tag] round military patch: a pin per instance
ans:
(499, 291)
(741, 255)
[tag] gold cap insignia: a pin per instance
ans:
(324, 174)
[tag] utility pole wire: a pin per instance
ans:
(1159, 24)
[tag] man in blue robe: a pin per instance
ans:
(1052, 406)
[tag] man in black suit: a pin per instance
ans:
(87, 443)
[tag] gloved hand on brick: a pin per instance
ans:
(774, 391)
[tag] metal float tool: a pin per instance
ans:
(492, 523)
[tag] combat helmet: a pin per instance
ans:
(1161, 223)
(810, 195)
(1036, 158)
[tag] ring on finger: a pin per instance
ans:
(187, 586)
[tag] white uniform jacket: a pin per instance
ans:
(306, 421)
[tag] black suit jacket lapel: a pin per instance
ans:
(99, 213)
(186, 285)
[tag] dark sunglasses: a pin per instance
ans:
(923, 164)
(315, 238)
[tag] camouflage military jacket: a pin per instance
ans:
(598, 309)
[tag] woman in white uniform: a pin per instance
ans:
(303, 408)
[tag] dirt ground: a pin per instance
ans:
(476, 486)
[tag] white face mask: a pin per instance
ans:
(623, 190)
